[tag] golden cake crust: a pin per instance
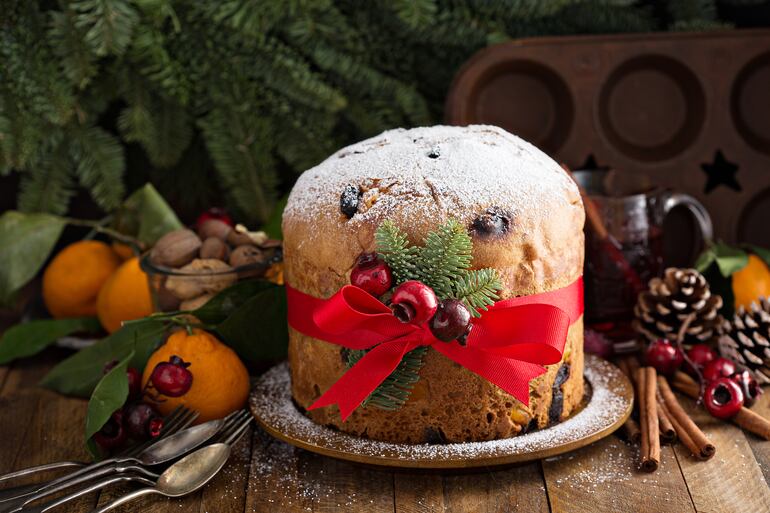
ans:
(420, 178)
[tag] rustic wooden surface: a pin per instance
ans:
(265, 475)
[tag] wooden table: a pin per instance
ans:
(38, 426)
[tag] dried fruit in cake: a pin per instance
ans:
(494, 222)
(349, 200)
(72, 280)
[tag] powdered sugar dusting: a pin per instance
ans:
(432, 169)
(272, 405)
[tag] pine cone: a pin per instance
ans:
(746, 340)
(661, 310)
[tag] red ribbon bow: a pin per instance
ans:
(508, 345)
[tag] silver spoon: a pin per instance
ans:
(164, 450)
(183, 477)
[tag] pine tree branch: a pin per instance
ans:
(445, 257)
(395, 249)
(478, 289)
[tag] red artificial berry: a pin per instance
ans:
(372, 274)
(719, 368)
(749, 386)
(134, 383)
(723, 398)
(451, 320)
(217, 213)
(172, 378)
(137, 419)
(112, 435)
(155, 427)
(700, 355)
(665, 357)
(414, 302)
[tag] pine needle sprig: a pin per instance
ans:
(445, 257)
(395, 249)
(394, 391)
(478, 289)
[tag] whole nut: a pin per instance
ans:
(214, 248)
(176, 248)
(214, 228)
(201, 276)
(238, 238)
(246, 255)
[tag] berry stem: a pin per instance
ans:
(679, 343)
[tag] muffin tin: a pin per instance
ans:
(665, 106)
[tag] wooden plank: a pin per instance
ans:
(227, 491)
(520, 488)
(731, 481)
(56, 433)
(418, 493)
(4, 370)
(759, 446)
(604, 477)
(291, 480)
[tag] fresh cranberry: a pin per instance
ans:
(665, 357)
(155, 427)
(372, 274)
(137, 419)
(217, 213)
(700, 355)
(112, 435)
(749, 386)
(451, 320)
(414, 302)
(172, 378)
(718, 368)
(723, 398)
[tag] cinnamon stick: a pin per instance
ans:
(686, 429)
(648, 418)
(746, 418)
(666, 427)
(631, 430)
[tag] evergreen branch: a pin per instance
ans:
(478, 289)
(394, 248)
(394, 391)
(445, 257)
(108, 24)
(48, 186)
(100, 164)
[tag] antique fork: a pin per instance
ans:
(233, 429)
(178, 419)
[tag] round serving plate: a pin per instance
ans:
(608, 407)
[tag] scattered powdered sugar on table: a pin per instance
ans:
(272, 404)
(429, 169)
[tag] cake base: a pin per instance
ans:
(607, 407)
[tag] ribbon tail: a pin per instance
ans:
(365, 376)
(511, 375)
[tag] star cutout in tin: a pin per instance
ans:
(720, 172)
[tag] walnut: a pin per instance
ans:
(214, 228)
(201, 276)
(214, 247)
(176, 248)
(246, 255)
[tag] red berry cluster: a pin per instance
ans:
(413, 301)
(726, 391)
(137, 420)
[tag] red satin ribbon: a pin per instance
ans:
(508, 345)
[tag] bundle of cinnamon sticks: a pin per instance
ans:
(661, 418)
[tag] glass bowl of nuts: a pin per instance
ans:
(186, 269)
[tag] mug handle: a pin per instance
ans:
(696, 209)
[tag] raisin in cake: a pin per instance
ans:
(525, 217)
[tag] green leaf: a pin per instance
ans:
(705, 259)
(146, 215)
(110, 394)
(32, 337)
(26, 240)
(273, 224)
(730, 259)
(221, 306)
(79, 374)
(258, 331)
